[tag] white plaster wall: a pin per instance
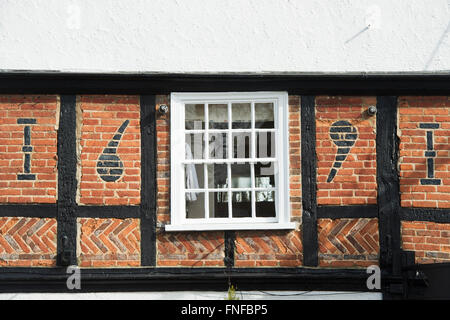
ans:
(225, 35)
(197, 295)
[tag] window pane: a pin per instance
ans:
(241, 115)
(218, 116)
(218, 204)
(218, 143)
(194, 176)
(217, 176)
(264, 117)
(242, 204)
(195, 205)
(265, 175)
(241, 176)
(242, 145)
(265, 203)
(195, 116)
(265, 145)
(194, 147)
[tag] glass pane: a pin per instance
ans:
(194, 147)
(265, 145)
(218, 116)
(242, 145)
(265, 175)
(241, 115)
(194, 116)
(195, 205)
(264, 117)
(218, 204)
(194, 176)
(241, 176)
(265, 203)
(218, 146)
(242, 204)
(217, 176)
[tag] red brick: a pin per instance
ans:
(43, 140)
(362, 155)
(104, 115)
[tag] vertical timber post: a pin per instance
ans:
(309, 197)
(67, 183)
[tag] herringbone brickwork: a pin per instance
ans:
(430, 241)
(268, 249)
(348, 242)
(26, 242)
(191, 249)
(109, 242)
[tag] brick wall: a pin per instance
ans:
(191, 249)
(163, 161)
(109, 242)
(109, 150)
(348, 242)
(346, 173)
(268, 249)
(430, 241)
(28, 143)
(108, 133)
(424, 129)
(27, 242)
(295, 165)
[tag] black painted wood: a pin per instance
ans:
(425, 214)
(67, 183)
(28, 210)
(388, 184)
(352, 84)
(309, 197)
(117, 212)
(340, 212)
(176, 279)
(148, 180)
(230, 246)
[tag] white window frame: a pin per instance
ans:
(178, 221)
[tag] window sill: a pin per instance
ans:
(236, 226)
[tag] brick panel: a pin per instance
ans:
(28, 148)
(190, 249)
(109, 242)
(109, 133)
(295, 165)
(348, 242)
(27, 242)
(268, 249)
(424, 164)
(430, 241)
(163, 160)
(346, 151)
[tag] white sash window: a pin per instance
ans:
(229, 161)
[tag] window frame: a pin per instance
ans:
(178, 220)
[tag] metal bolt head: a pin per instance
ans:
(163, 109)
(372, 110)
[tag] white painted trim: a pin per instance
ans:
(178, 209)
(231, 226)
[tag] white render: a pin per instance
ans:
(216, 36)
(197, 295)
